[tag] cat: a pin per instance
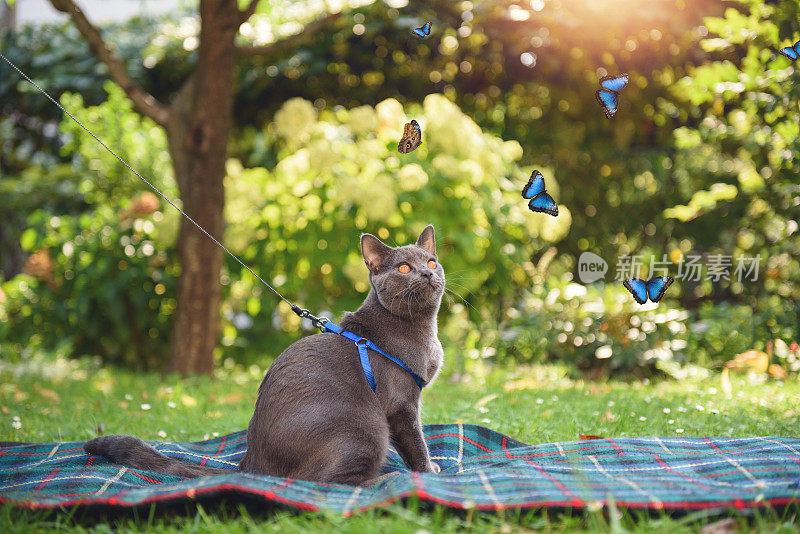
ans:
(316, 417)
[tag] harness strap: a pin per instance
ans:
(362, 345)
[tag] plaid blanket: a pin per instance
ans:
(481, 469)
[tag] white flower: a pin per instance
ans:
(295, 165)
(162, 434)
(447, 165)
(379, 200)
(294, 119)
(171, 404)
(392, 117)
(16, 424)
(450, 131)
(411, 177)
(511, 151)
(470, 171)
(146, 406)
(363, 119)
(321, 155)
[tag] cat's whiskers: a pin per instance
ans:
(391, 303)
(461, 277)
(463, 288)
(409, 290)
(390, 307)
(450, 273)
(448, 290)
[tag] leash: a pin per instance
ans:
(323, 323)
(301, 312)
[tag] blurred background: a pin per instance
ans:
(701, 160)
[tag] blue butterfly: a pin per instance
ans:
(792, 52)
(653, 288)
(423, 31)
(608, 94)
(540, 200)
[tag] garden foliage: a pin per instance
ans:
(701, 159)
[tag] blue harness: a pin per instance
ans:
(363, 344)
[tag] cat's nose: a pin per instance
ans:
(427, 274)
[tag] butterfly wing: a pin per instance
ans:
(415, 129)
(656, 287)
(534, 186)
(423, 31)
(404, 146)
(638, 289)
(415, 135)
(614, 83)
(796, 48)
(608, 101)
(789, 52)
(543, 203)
(412, 137)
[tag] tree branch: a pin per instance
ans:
(288, 42)
(143, 102)
(247, 13)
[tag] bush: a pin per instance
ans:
(100, 280)
(735, 166)
(105, 288)
(597, 329)
(297, 224)
(339, 173)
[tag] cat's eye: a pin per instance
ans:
(404, 268)
(431, 264)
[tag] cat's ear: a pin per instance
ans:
(374, 251)
(426, 240)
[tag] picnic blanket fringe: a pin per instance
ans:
(481, 469)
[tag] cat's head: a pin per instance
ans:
(408, 280)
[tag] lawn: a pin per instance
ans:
(52, 400)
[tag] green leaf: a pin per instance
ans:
(253, 306)
(28, 239)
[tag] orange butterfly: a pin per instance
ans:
(412, 138)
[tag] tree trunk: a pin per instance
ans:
(8, 19)
(197, 131)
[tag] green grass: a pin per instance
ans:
(67, 400)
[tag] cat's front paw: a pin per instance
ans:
(434, 467)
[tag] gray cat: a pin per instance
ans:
(316, 417)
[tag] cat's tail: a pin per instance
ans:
(133, 452)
